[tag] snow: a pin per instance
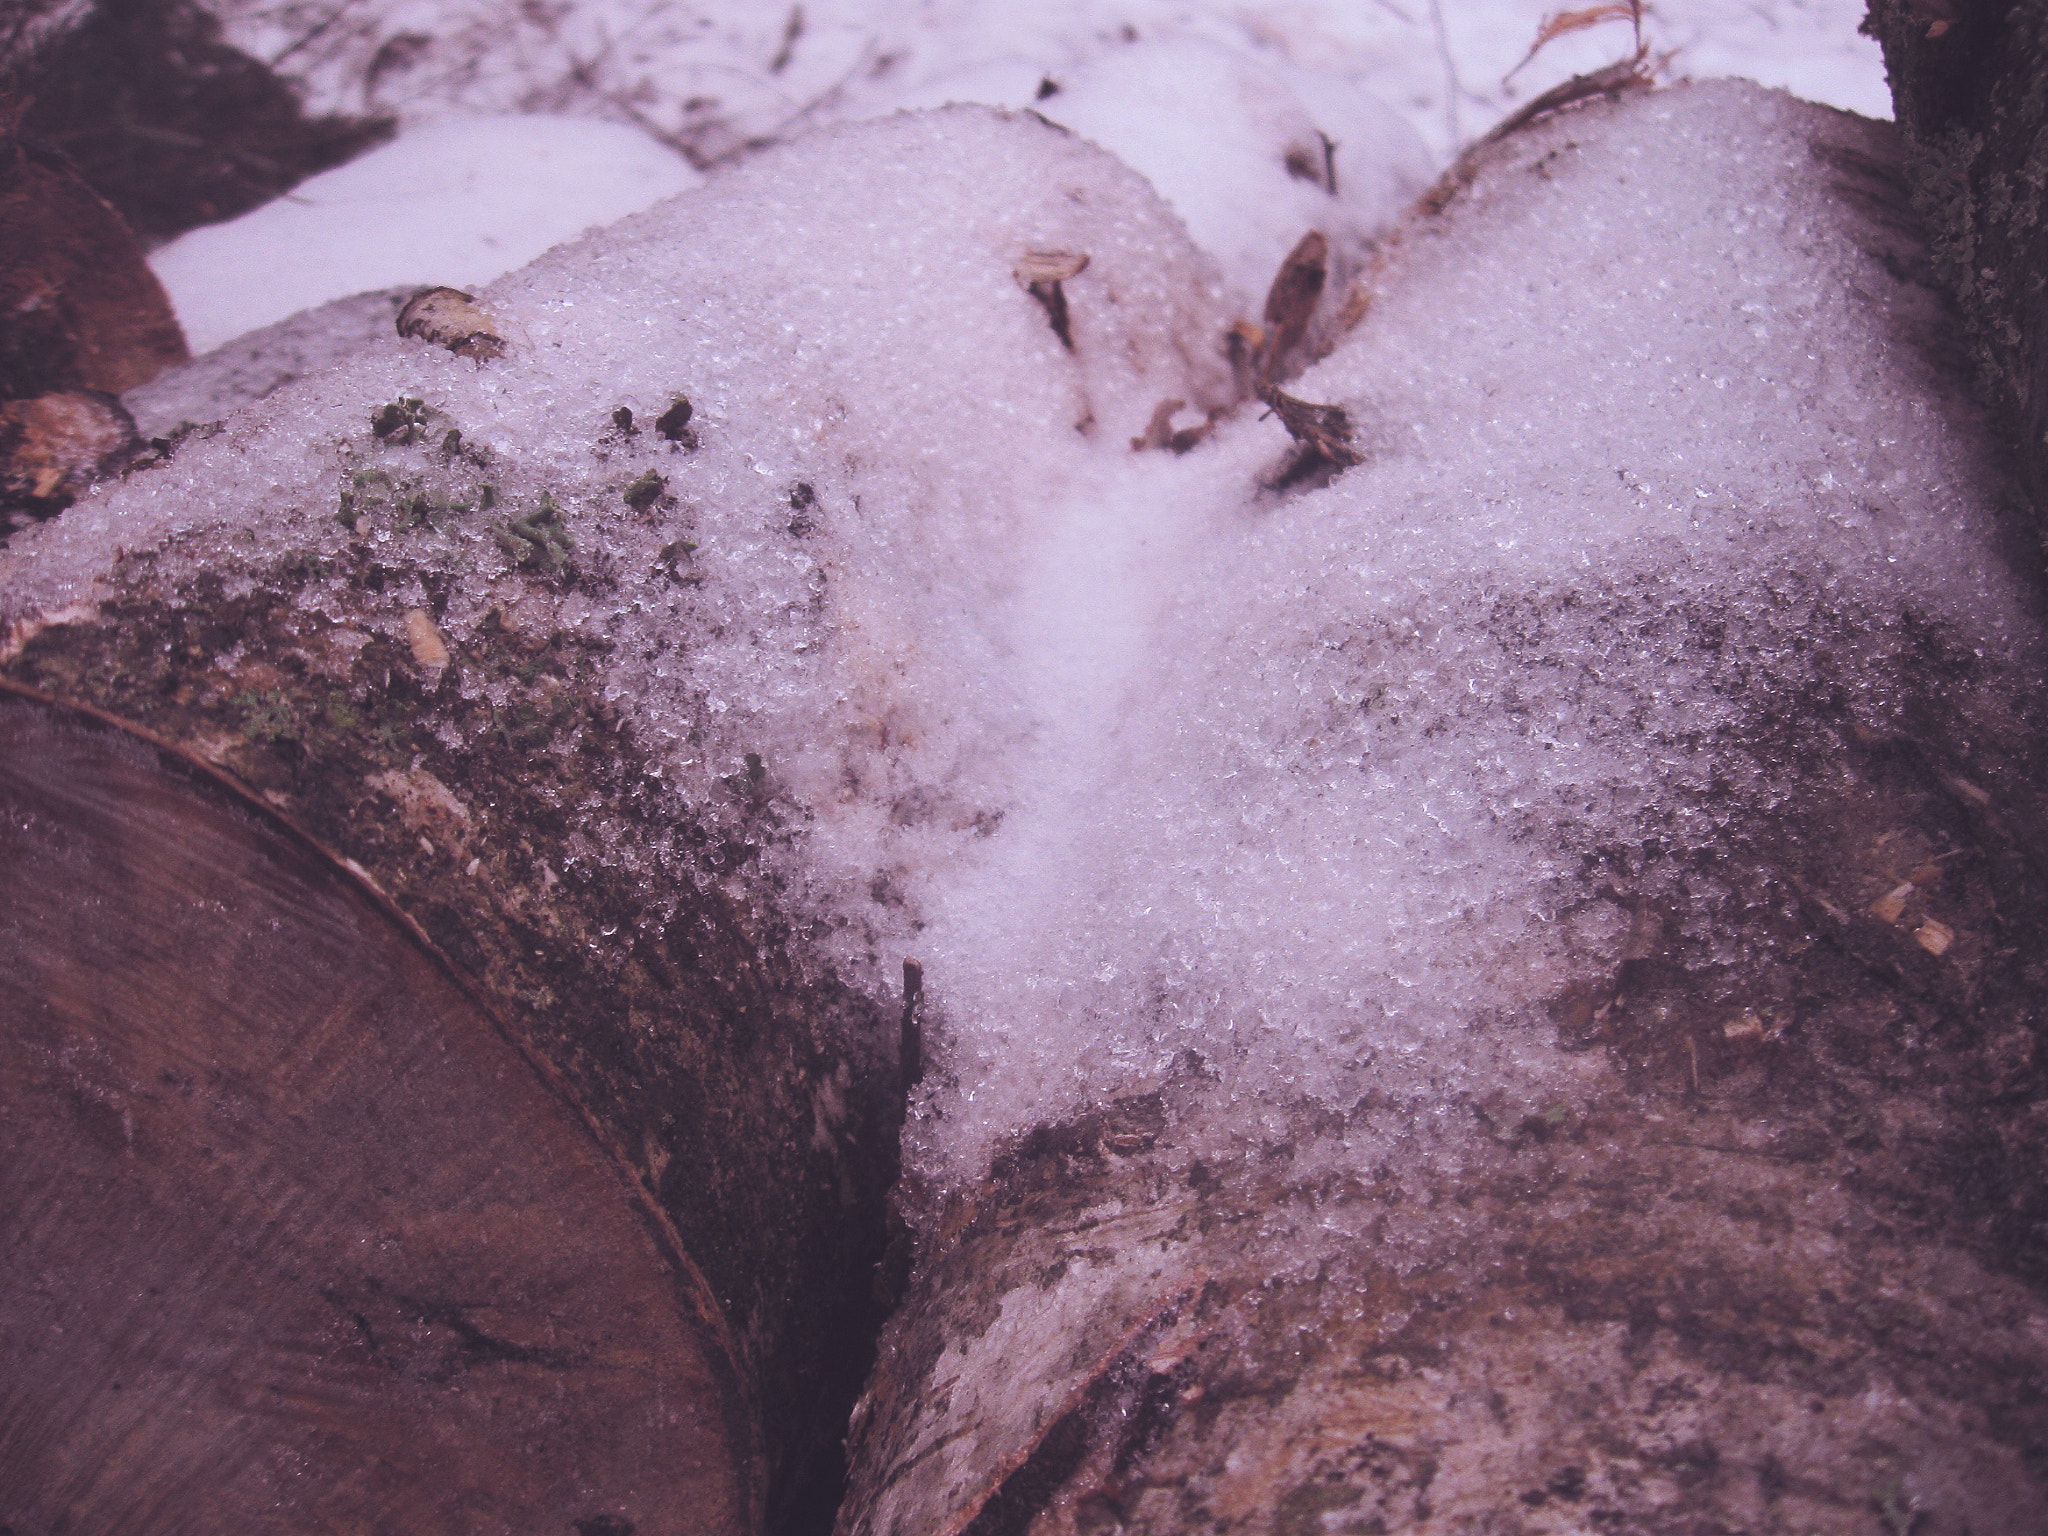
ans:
(256, 364)
(523, 125)
(456, 202)
(1137, 755)
(719, 73)
(1252, 155)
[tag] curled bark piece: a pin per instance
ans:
(1050, 266)
(53, 447)
(451, 318)
(1291, 301)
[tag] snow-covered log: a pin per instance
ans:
(1543, 1008)
(616, 649)
(1474, 968)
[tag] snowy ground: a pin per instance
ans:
(466, 194)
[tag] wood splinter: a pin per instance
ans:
(1290, 302)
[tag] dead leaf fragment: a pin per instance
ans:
(1291, 301)
(1159, 432)
(451, 318)
(1935, 937)
(1886, 908)
(1324, 431)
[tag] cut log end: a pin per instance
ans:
(292, 1237)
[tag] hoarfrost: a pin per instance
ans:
(1252, 154)
(1150, 765)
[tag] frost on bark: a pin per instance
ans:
(1970, 88)
(465, 629)
(1772, 1263)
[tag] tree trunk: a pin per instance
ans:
(1969, 83)
(1774, 1264)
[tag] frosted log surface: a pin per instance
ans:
(1653, 463)
(1475, 1054)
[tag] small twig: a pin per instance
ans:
(1452, 89)
(791, 31)
(1627, 75)
(313, 32)
(1559, 23)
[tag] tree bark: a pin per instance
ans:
(477, 650)
(677, 1015)
(1969, 84)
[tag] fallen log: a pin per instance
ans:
(1717, 1206)
(1966, 84)
(575, 643)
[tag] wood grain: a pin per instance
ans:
(292, 1237)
